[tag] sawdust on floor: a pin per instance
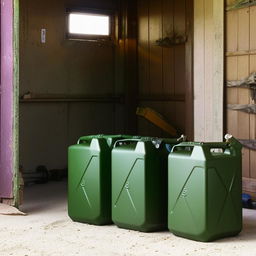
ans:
(9, 210)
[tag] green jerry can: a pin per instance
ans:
(205, 190)
(89, 179)
(139, 183)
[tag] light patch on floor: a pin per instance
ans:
(47, 230)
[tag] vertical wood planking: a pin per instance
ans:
(156, 52)
(143, 46)
(232, 96)
(161, 69)
(243, 29)
(180, 118)
(143, 58)
(179, 52)
(189, 70)
(168, 53)
(208, 79)
(243, 118)
(241, 36)
(199, 70)
(232, 31)
(170, 112)
(130, 64)
(231, 70)
(253, 28)
(243, 94)
(179, 58)
(169, 108)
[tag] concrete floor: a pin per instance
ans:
(47, 230)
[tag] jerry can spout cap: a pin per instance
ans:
(233, 142)
(228, 137)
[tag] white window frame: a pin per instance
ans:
(87, 37)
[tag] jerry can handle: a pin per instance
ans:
(231, 144)
(118, 142)
(217, 145)
(184, 146)
(89, 138)
(216, 149)
(189, 146)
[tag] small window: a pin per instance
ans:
(89, 25)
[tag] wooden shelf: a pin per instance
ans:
(174, 98)
(240, 53)
(245, 5)
(94, 99)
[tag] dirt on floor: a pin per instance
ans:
(47, 230)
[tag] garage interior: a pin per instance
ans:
(72, 88)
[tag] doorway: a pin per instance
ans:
(70, 88)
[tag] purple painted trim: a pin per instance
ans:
(6, 150)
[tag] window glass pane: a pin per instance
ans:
(88, 24)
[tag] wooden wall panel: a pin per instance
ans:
(243, 29)
(240, 62)
(143, 46)
(232, 96)
(243, 118)
(252, 28)
(155, 52)
(231, 70)
(66, 67)
(168, 53)
(161, 70)
(179, 53)
(231, 29)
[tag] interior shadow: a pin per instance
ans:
(44, 197)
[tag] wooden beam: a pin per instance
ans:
(218, 70)
(251, 144)
(199, 70)
(208, 69)
(129, 10)
(174, 98)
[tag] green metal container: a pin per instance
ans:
(89, 179)
(204, 191)
(139, 184)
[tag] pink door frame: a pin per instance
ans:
(9, 101)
